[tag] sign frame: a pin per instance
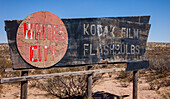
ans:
(11, 29)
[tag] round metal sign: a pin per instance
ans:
(42, 39)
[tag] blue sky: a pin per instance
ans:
(159, 10)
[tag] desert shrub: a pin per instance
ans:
(156, 81)
(160, 64)
(4, 63)
(158, 72)
(65, 87)
(125, 78)
(72, 87)
(159, 57)
(159, 60)
(7, 64)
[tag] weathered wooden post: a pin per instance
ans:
(89, 84)
(24, 86)
(135, 84)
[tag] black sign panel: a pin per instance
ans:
(94, 40)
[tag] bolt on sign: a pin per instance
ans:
(43, 40)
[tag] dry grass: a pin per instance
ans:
(157, 76)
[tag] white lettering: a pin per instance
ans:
(85, 29)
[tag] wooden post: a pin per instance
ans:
(24, 86)
(135, 84)
(89, 84)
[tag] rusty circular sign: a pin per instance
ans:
(42, 39)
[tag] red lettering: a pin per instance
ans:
(39, 53)
(31, 53)
(61, 35)
(28, 31)
(38, 31)
(32, 48)
(54, 32)
(45, 53)
(53, 51)
(44, 31)
(49, 31)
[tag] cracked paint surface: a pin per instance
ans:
(42, 39)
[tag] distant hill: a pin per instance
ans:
(158, 49)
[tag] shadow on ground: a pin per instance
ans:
(106, 95)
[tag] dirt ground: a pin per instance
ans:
(113, 87)
(105, 87)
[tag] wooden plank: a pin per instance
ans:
(94, 40)
(33, 69)
(15, 70)
(24, 86)
(89, 84)
(46, 76)
(135, 84)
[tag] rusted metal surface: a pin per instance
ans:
(94, 40)
(42, 39)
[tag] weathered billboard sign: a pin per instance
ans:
(82, 41)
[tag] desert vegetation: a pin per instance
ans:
(157, 76)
